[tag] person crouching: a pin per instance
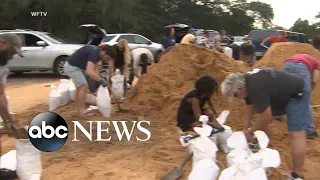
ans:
(192, 105)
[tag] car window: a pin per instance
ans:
(140, 40)
(108, 38)
(129, 38)
(31, 40)
(259, 35)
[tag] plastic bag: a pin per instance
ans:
(63, 88)
(104, 101)
(118, 85)
(223, 137)
(228, 51)
(91, 99)
(29, 165)
(54, 98)
(71, 91)
(9, 160)
(206, 169)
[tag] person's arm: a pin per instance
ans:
(247, 116)
(264, 41)
(5, 115)
(263, 122)
(212, 107)
(315, 77)
(111, 67)
(91, 71)
(196, 111)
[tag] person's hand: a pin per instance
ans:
(249, 136)
(103, 83)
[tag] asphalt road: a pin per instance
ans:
(18, 81)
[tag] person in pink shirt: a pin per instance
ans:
(308, 68)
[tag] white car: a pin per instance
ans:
(42, 52)
(238, 40)
(99, 36)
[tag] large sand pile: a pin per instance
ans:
(279, 52)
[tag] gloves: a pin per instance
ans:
(103, 83)
(204, 119)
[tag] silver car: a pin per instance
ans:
(42, 52)
(98, 36)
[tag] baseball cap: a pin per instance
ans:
(231, 84)
(191, 30)
(14, 40)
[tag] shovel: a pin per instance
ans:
(176, 173)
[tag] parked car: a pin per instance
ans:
(97, 35)
(42, 52)
(180, 30)
(257, 36)
(238, 40)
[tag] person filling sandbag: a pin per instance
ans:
(271, 92)
(192, 105)
(141, 58)
(83, 60)
(10, 45)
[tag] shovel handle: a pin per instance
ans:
(186, 160)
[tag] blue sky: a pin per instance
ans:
(286, 12)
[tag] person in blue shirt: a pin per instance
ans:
(169, 38)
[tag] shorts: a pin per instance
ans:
(76, 74)
(297, 110)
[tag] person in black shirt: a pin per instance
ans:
(192, 105)
(247, 52)
(85, 60)
(271, 92)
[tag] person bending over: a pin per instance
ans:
(142, 58)
(192, 105)
(85, 60)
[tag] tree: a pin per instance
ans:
(304, 26)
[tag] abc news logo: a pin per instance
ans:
(48, 131)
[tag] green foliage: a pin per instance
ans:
(147, 17)
(304, 26)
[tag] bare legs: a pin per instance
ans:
(298, 150)
(80, 99)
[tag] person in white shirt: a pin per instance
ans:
(141, 58)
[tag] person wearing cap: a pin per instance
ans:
(316, 42)
(192, 105)
(271, 92)
(10, 45)
(307, 67)
(274, 39)
(189, 38)
(84, 61)
(247, 52)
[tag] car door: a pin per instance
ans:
(33, 54)
(130, 39)
(143, 42)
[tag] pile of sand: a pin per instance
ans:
(279, 52)
(168, 81)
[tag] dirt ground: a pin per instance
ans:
(133, 160)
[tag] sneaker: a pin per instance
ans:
(295, 176)
(312, 135)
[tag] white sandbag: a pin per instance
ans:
(54, 98)
(243, 164)
(104, 101)
(214, 139)
(63, 88)
(223, 137)
(206, 169)
(71, 91)
(228, 51)
(118, 85)
(91, 99)
(29, 165)
(9, 160)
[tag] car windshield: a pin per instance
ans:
(53, 39)
(239, 39)
(108, 38)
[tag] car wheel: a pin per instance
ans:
(59, 66)
(157, 56)
(18, 72)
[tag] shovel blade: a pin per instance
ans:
(174, 174)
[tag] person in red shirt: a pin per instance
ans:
(308, 68)
(275, 39)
